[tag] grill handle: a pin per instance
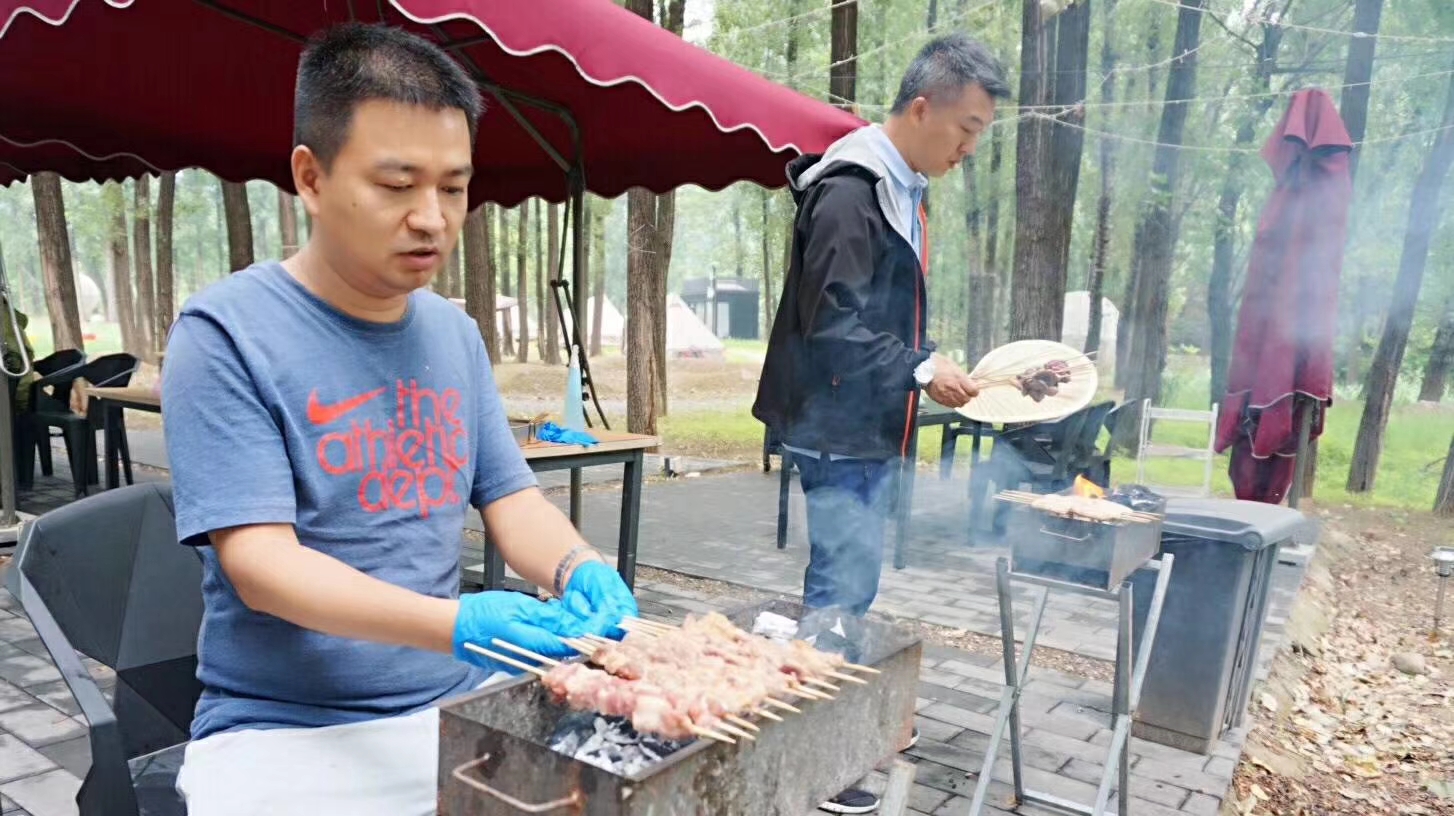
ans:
(1077, 539)
(524, 807)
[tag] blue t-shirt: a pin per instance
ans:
(372, 439)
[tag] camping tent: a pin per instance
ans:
(1077, 326)
(686, 335)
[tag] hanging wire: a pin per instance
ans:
(1336, 32)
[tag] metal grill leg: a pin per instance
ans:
(1009, 710)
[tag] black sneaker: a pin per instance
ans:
(852, 800)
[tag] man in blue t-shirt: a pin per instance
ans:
(329, 424)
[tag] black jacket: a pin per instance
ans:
(850, 327)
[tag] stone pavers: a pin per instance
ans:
(723, 527)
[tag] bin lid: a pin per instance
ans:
(1249, 524)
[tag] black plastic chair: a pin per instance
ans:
(105, 577)
(79, 430)
(1047, 456)
(52, 372)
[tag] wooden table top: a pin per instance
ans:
(608, 442)
(137, 394)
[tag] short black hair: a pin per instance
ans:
(350, 63)
(948, 65)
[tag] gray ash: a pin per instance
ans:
(610, 743)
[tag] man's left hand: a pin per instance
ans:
(597, 595)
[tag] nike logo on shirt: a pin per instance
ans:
(320, 414)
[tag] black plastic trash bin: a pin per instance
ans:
(1205, 659)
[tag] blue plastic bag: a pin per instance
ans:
(551, 432)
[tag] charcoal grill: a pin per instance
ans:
(494, 754)
(1096, 554)
(1088, 558)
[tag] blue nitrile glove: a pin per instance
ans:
(517, 619)
(597, 595)
(551, 432)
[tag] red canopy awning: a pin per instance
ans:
(1287, 321)
(98, 89)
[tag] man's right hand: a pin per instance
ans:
(517, 619)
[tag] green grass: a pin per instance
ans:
(108, 337)
(1415, 443)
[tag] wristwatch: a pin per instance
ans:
(924, 372)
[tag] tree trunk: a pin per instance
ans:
(522, 290)
(166, 216)
(1047, 167)
(288, 223)
(550, 323)
(1126, 328)
(1221, 303)
(843, 55)
(507, 320)
(739, 246)
(992, 235)
(1441, 358)
(1357, 71)
(649, 221)
(1424, 212)
(642, 313)
(661, 260)
(1101, 247)
(141, 256)
(119, 240)
(479, 277)
(539, 282)
(55, 262)
(239, 225)
(979, 286)
(1147, 356)
(1444, 498)
(599, 210)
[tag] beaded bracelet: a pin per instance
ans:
(566, 563)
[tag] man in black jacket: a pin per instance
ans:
(849, 351)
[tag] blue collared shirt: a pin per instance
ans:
(909, 184)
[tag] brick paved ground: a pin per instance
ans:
(722, 527)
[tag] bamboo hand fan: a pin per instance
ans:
(1000, 399)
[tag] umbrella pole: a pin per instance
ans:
(1304, 431)
(8, 520)
(578, 252)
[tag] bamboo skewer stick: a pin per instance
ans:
(710, 734)
(728, 728)
(508, 661)
(745, 723)
(800, 689)
(776, 703)
(767, 715)
(549, 661)
(864, 669)
(850, 678)
(822, 684)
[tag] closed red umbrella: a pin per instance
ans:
(97, 89)
(1282, 359)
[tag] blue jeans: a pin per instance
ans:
(848, 504)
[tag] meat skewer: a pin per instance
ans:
(822, 663)
(701, 714)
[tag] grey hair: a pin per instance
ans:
(946, 66)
